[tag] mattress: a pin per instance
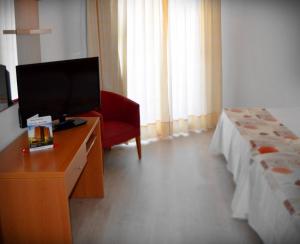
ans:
(253, 199)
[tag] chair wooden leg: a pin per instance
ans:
(138, 146)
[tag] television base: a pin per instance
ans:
(68, 124)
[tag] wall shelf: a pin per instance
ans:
(28, 31)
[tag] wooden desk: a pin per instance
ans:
(35, 187)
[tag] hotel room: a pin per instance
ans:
(184, 121)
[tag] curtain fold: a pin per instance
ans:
(163, 54)
(122, 44)
(211, 26)
(164, 128)
(103, 41)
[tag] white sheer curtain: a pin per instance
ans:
(8, 43)
(144, 19)
(169, 63)
(186, 78)
(172, 54)
(168, 59)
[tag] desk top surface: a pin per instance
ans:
(14, 163)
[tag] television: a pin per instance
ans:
(5, 95)
(60, 89)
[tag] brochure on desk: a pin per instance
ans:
(40, 134)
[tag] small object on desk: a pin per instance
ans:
(25, 150)
(40, 135)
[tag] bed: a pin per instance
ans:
(254, 199)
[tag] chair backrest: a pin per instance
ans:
(116, 107)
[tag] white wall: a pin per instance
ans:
(9, 126)
(261, 53)
(67, 19)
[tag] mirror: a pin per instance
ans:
(5, 97)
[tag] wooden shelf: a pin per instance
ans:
(28, 31)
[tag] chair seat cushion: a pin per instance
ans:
(116, 132)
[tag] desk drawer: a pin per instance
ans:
(75, 168)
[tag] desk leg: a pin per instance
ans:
(36, 211)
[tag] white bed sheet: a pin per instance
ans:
(228, 141)
(266, 213)
(236, 150)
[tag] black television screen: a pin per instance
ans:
(60, 88)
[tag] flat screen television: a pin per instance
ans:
(60, 89)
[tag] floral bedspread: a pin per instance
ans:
(276, 149)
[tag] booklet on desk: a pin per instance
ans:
(40, 134)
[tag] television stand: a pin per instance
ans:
(65, 124)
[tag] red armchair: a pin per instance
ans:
(120, 120)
